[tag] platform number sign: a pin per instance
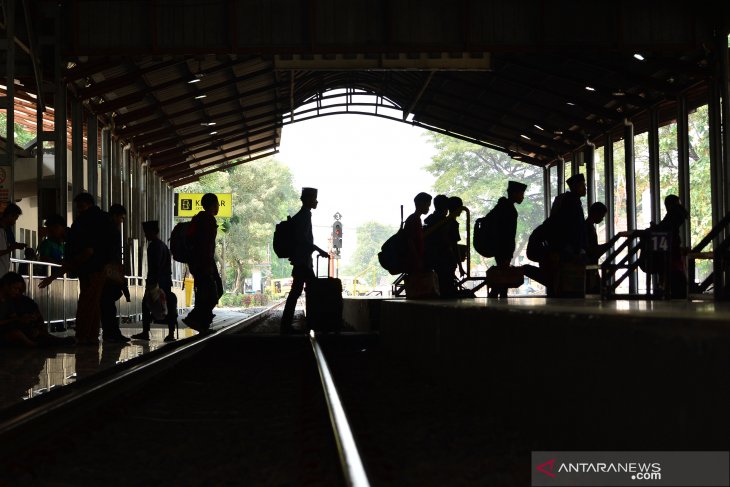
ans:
(660, 242)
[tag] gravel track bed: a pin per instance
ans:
(245, 411)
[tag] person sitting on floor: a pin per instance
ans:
(21, 322)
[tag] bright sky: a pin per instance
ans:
(364, 167)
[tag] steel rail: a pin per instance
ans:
(118, 379)
(352, 467)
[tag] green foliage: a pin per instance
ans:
(479, 175)
(370, 237)
(238, 300)
(22, 136)
(263, 194)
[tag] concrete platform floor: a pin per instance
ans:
(25, 373)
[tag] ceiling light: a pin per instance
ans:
(638, 56)
(570, 103)
(558, 132)
(194, 80)
(207, 124)
(200, 97)
(524, 136)
(538, 127)
(618, 93)
(214, 132)
(590, 88)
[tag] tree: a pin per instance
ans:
(479, 175)
(263, 194)
(370, 237)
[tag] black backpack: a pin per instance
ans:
(537, 244)
(483, 239)
(392, 255)
(284, 238)
(181, 245)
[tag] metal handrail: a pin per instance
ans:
(350, 460)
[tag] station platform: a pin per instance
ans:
(26, 373)
(655, 372)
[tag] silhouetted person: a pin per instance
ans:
(7, 238)
(23, 267)
(505, 220)
(114, 290)
(51, 248)
(301, 260)
(435, 231)
(89, 251)
(449, 259)
(208, 285)
(159, 273)
(415, 247)
(673, 220)
(568, 231)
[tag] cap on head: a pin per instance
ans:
(575, 179)
(309, 193)
(117, 209)
(515, 187)
(152, 226)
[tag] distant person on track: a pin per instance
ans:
(415, 246)
(303, 266)
(159, 273)
(114, 290)
(208, 284)
(8, 245)
(88, 253)
(505, 220)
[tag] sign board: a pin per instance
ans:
(188, 204)
(6, 185)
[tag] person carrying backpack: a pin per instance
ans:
(208, 285)
(504, 220)
(301, 259)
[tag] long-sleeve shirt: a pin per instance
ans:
(505, 222)
(303, 239)
(415, 258)
(203, 231)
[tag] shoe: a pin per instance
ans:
(191, 323)
(169, 338)
(141, 336)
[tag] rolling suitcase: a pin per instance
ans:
(324, 302)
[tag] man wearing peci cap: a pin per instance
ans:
(301, 260)
(159, 273)
(505, 219)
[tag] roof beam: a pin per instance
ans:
(181, 172)
(130, 78)
(197, 176)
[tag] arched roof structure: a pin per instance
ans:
(194, 86)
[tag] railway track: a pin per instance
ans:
(221, 408)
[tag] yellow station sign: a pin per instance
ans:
(188, 204)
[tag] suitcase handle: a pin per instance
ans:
(328, 265)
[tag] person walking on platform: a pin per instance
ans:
(7, 238)
(301, 260)
(568, 232)
(88, 252)
(159, 273)
(448, 261)
(505, 220)
(114, 290)
(434, 231)
(413, 228)
(676, 281)
(208, 284)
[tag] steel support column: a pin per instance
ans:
(60, 124)
(92, 159)
(684, 176)
(105, 167)
(77, 148)
(575, 161)
(8, 159)
(654, 182)
(561, 176)
(546, 196)
(126, 163)
(589, 157)
(630, 192)
(608, 187)
(717, 172)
